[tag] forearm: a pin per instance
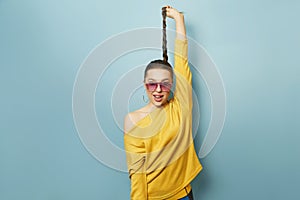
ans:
(179, 20)
(180, 26)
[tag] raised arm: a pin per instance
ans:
(183, 89)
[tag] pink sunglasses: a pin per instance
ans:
(165, 87)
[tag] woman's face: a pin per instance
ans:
(158, 93)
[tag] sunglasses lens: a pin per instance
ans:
(151, 86)
(166, 87)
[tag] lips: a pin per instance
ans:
(158, 98)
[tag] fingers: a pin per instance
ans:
(170, 10)
(167, 8)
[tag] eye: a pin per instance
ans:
(166, 83)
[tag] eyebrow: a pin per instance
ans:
(155, 79)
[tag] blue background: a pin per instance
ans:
(255, 45)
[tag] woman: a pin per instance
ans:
(158, 140)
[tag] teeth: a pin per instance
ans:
(157, 96)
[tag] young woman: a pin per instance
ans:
(158, 140)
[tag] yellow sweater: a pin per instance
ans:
(160, 152)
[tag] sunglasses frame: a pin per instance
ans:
(164, 86)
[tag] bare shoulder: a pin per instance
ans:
(128, 122)
(132, 118)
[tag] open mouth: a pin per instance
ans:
(158, 98)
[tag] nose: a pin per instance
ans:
(158, 89)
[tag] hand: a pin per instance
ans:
(173, 13)
(179, 19)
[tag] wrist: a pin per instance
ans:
(179, 17)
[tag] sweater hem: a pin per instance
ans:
(179, 188)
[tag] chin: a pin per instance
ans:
(157, 104)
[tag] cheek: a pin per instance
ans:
(148, 93)
(166, 93)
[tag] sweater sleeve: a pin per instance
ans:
(183, 89)
(136, 162)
